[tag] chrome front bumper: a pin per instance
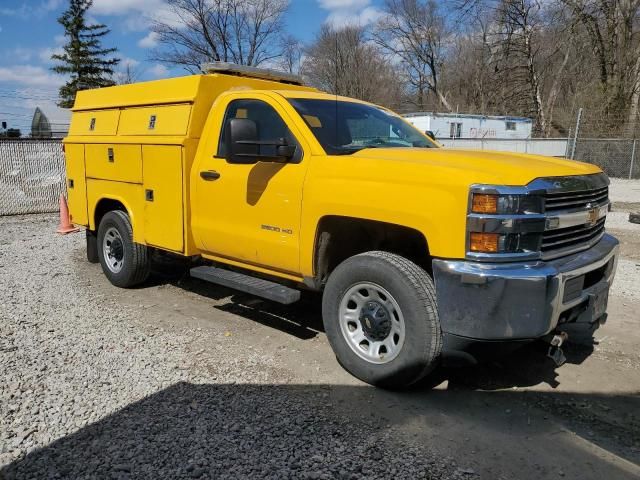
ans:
(520, 301)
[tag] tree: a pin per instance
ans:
(343, 62)
(612, 28)
(88, 64)
(246, 32)
(292, 53)
(414, 32)
(129, 74)
(517, 60)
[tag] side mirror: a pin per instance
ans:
(242, 144)
(285, 151)
(430, 134)
(241, 138)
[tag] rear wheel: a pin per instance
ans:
(379, 312)
(123, 262)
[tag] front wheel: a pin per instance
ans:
(123, 262)
(380, 315)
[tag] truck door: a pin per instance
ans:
(250, 212)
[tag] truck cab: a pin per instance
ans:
(423, 255)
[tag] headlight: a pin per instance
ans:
(510, 204)
(488, 242)
(505, 223)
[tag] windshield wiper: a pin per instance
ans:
(346, 150)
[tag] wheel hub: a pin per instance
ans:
(113, 250)
(375, 320)
(116, 250)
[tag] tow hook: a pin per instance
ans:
(555, 352)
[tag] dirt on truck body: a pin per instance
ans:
(425, 256)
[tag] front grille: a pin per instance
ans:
(571, 236)
(580, 199)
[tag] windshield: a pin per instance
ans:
(347, 127)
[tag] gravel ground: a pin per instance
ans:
(627, 281)
(89, 390)
(624, 191)
(175, 380)
(620, 221)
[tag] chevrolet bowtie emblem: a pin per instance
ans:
(593, 215)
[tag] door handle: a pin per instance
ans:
(210, 175)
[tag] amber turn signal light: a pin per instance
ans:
(484, 203)
(484, 242)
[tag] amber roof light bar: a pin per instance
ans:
(253, 72)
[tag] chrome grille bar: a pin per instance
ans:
(556, 239)
(578, 199)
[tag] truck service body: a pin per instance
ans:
(422, 253)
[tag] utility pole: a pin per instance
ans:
(633, 157)
(575, 135)
(566, 148)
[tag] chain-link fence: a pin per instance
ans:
(617, 157)
(608, 139)
(32, 172)
(32, 176)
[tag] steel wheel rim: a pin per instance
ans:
(113, 250)
(354, 315)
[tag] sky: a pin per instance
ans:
(30, 34)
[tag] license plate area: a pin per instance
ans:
(598, 301)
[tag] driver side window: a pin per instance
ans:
(270, 125)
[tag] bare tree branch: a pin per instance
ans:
(246, 32)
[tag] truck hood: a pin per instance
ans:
(503, 168)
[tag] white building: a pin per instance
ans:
(461, 125)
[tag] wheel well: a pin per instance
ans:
(105, 206)
(339, 238)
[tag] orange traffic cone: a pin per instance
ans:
(65, 224)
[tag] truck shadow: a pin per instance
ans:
(303, 319)
(525, 367)
(287, 431)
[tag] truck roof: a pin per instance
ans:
(188, 89)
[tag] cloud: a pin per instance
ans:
(27, 11)
(158, 71)
(127, 71)
(341, 18)
(51, 5)
(46, 53)
(139, 14)
(350, 12)
(21, 11)
(150, 41)
(343, 4)
(18, 54)
(129, 62)
(29, 75)
(123, 7)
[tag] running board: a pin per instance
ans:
(248, 284)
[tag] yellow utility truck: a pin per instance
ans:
(424, 254)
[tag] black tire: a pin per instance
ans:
(413, 291)
(92, 247)
(135, 265)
